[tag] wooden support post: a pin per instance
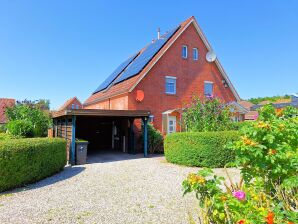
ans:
(131, 144)
(73, 141)
(65, 125)
(55, 128)
(145, 134)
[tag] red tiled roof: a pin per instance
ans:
(246, 104)
(4, 103)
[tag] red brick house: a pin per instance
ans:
(153, 84)
(165, 80)
(5, 103)
(72, 103)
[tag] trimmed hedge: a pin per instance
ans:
(201, 149)
(28, 160)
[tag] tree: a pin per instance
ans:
(209, 114)
(27, 121)
(41, 104)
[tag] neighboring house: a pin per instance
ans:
(250, 115)
(5, 103)
(72, 103)
(293, 101)
(238, 111)
(163, 77)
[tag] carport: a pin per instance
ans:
(103, 129)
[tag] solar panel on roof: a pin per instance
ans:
(142, 60)
(114, 75)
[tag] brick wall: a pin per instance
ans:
(190, 76)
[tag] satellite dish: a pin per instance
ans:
(210, 56)
(140, 95)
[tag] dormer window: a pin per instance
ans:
(195, 54)
(184, 51)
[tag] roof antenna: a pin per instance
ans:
(158, 33)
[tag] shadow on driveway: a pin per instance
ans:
(106, 157)
(67, 173)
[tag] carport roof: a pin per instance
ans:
(102, 113)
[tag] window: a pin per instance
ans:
(208, 88)
(170, 85)
(72, 106)
(195, 54)
(77, 106)
(184, 51)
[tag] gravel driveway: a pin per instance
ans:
(111, 189)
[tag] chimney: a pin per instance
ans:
(158, 33)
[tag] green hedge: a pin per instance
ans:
(28, 160)
(201, 149)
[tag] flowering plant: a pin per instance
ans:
(267, 155)
(208, 114)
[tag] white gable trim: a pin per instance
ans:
(205, 41)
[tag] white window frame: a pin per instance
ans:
(195, 54)
(184, 47)
(208, 82)
(174, 79)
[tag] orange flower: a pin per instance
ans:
(223, 198)
(248, 141)
(279, 113)
(291, 223)
(271, 152)
(270, 218)
(242, 221)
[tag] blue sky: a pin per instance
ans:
(58, 49)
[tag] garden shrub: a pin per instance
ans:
(209, 114)
(201, 149)
(24, 161)
(155, 140)
(28, 121)
(22, 128)
(2, 128)
(5, 136)
(267, 155)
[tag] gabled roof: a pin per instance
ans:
(120, 85)
(68, 103)
(246, 104)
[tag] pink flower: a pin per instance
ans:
(240, 195)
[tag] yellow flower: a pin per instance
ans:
(262, 209)
(262, 124)
(281, 126)
(194, 178)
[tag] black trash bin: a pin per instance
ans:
(81, 151)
